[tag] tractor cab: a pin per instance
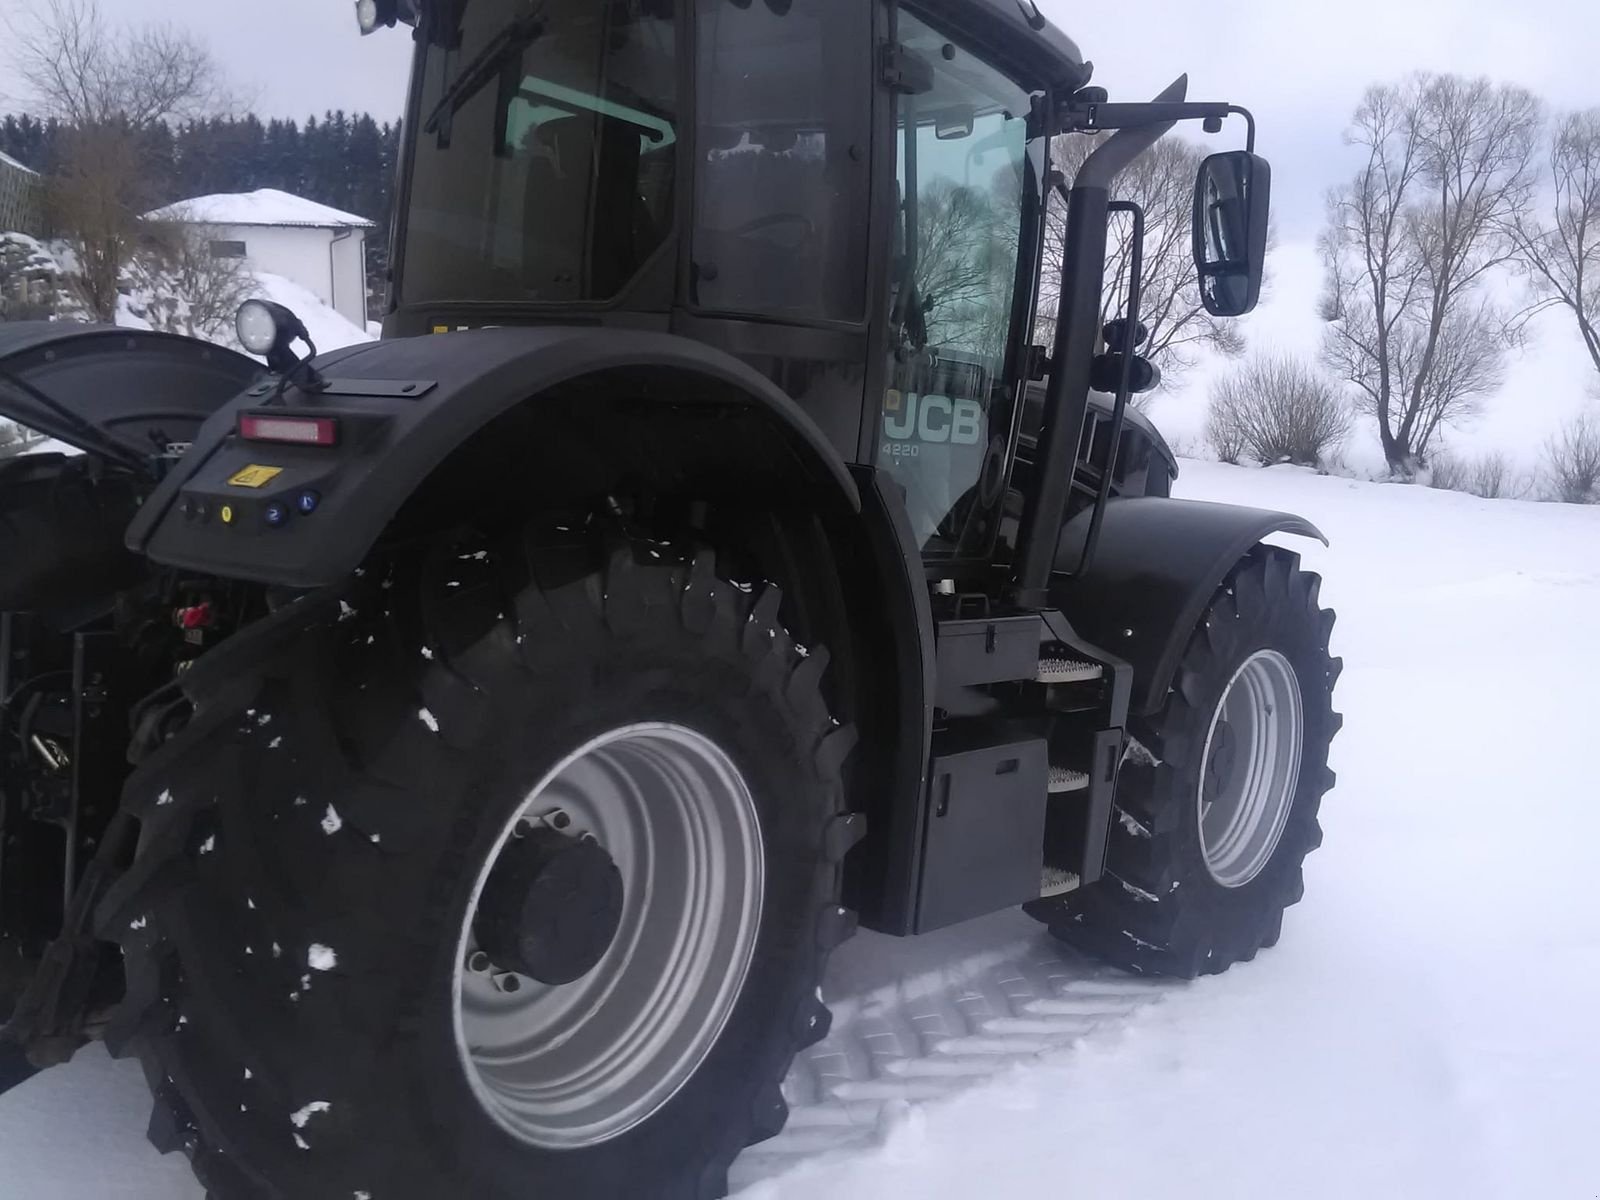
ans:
(848, 197)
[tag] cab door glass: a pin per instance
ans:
(965, 164)
(782, 177)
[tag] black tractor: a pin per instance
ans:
(446, 764)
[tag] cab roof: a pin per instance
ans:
(1019, 35)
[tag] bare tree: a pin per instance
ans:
(1572, 461)
(956, 261)
(1409, 244)
(94, 199)
(87, 71)
(109, 84)
(1278, 409)
(1561, 251)
(1162, 183)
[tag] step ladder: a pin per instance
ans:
(1053, 881)
(1058, 669)
(1065, 779)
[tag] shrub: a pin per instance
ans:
(1489, 475)
(1277, 409)
(1572, 461)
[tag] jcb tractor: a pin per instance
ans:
(446, 764)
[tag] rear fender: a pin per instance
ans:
(1159, 563)
(564, 402)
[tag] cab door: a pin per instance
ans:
(969, 170)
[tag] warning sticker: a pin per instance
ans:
(255, 477)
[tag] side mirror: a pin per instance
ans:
(1232, 199)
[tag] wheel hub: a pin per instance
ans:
(650, 915)
(551, 907)
(1251, 768)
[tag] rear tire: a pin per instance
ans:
(1185, 894)
(293, 923)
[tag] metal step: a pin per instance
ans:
(1053, 881)
(1067, 670)
(1065, 779)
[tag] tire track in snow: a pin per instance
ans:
(936, 1032)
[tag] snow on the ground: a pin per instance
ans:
(330, 330)
(1425, 1027)
(1423, 1030)
(50, 446)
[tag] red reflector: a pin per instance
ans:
(299, 431)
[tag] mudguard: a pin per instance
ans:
(122, 393)
(1158, 564)
(404, 406)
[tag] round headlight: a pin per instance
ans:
(367, 15)
(257, 326)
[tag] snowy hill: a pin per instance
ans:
(1423, 1030)
(328, 329)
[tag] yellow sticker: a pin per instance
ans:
(227, 514)
(255, 477)
(441, 329)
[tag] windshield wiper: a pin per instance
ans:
(516, 36)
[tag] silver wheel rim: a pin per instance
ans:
(1250, 770)
(563, 1067)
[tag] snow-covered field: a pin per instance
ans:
(1424, 1029)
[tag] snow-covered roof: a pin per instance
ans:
(265, 207)
(11, 162)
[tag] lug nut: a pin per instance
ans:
(478, 962)
(507, 982)
(558, 819)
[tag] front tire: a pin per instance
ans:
(1216, 807)
(315, 992)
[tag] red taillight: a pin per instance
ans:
(295, 431)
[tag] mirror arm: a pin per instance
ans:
(1166, 110)
(1119, 151)
(1249, 126)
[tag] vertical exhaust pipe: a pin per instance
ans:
(1083, 265)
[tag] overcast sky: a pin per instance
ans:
(1299, 65)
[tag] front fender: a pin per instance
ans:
(1158, 564)
(394, 439)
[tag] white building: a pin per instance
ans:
(320, 248)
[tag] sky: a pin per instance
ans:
(1300, 66)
